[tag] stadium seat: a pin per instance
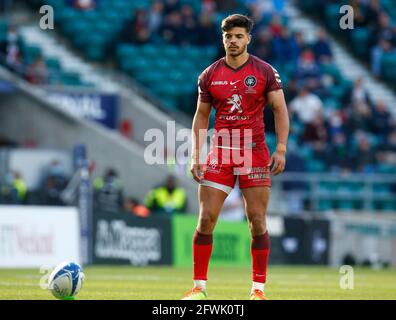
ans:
(360, 39)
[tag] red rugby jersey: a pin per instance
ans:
(239, 96)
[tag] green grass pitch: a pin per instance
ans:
(169, 283)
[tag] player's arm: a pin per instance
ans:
(199, 133)
(277, 102)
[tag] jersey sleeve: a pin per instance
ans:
(203, 88)
(273, 79)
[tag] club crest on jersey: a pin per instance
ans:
(250, 81)
(236, 102)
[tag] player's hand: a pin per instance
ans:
(197, 170)
(278, 162)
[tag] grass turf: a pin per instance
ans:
(169, 283)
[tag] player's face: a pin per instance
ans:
(235, 41)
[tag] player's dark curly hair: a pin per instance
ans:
(237, 20)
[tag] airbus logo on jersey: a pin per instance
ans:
(219, 83)
(236, 102)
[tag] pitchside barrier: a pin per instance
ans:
(36, 236)
(121, 238)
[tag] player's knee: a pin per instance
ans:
(257, 225)
(206, 222)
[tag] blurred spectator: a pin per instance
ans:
(358, 93)
(275, 26)
(155, 16)
(54, 181)
(262, 46)
(337, 124)
(37, 72)
(285, 47)
(376, 56)
(338, 152)
(6, 6)
(171, 6)
(13, 189)
(387, 150)
(233, 207)
(167, 198)
(135, 207)
(137, 29)
(294, 163)
(190, 23)
(172, 30)
(364, 157)
(208, 33)
(308, 71)
(11, 50)
(315, 134)
(306, 105)
(321, 47)
(83, 4)
(226, 6)
(382, 120)
(360, 117)
(108, 191)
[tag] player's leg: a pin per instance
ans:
(211, 200)
(256, 202)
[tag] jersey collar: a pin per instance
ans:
(240, 67)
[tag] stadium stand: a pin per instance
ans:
(158, 44)
(373, 37)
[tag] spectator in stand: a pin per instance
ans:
(384, 39)
(307, 106)
(387, 151)
(83, 4)
(172, 30)
(155, 17)
(275, 26)
(208, 33)
(364, 158)
(37, 72)
(316, 134)
(54, 181)
(108, 191)
(167, 198)
(13, 190)
(321, 47)
(190, 23)
(10, 48)
(358, 93)
(171, 6)
(338, 152)
(360, 117)
(373, 11)
(285, 47)
(133, 206)
(308, 71)
(137, 29)
(262, 46)
(382, 120)
(226, 5)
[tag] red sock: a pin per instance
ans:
(260, 249)
(202, 249)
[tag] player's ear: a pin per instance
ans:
(249, 38)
